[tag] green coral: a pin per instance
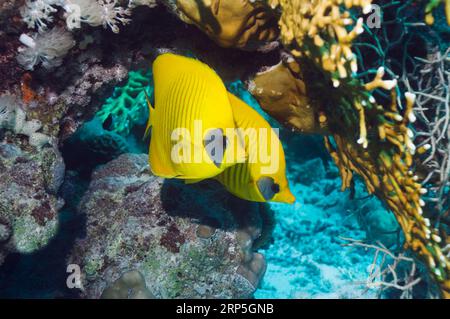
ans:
(127, 105)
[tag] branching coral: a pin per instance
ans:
(320, 37)
(319, 30)
(48, 48)
(432, 87)
(388, 269)
(127, 102)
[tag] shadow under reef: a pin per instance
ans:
(43, 274)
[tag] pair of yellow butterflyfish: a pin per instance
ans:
(201, 131)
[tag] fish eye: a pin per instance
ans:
(275, 188)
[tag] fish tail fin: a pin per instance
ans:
(150, 116)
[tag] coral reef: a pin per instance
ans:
(315, 33)
(28, 197)
(130, 286)
(379, 95)
(183, 244)
(95, 144)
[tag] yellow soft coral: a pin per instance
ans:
(320, 32)
(388, 173)
(319, 29)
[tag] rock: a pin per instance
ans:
(310, 172)
(28, 201)
(187, 241)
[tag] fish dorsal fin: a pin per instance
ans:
(150, 115)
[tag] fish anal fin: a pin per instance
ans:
(193, 181)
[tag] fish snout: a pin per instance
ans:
(286, 196)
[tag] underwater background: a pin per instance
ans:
(77, 190)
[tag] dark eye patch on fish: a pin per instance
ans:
(267, 187)
(215, 143)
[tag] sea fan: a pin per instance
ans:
(47, 48)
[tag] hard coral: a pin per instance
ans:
(318, 30)
(184, 245)
(127, 104)
(315, 32)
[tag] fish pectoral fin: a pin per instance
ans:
(150, 115)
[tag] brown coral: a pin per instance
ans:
(282, 93)
(232, 23)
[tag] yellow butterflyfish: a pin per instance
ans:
(192, 126)
(262, 177)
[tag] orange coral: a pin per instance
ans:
(28, 94)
